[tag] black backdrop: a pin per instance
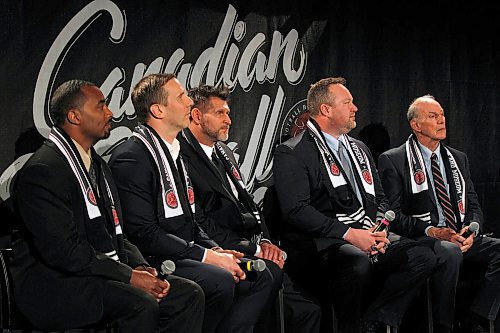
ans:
(268, 53)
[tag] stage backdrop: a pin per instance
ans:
(268, 53)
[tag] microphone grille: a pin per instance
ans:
(168, 267)
(473, 226)
(259, 265)
(390, 215)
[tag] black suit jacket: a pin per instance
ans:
(308, 201)
(57, 274)
(396, 180)
(138, 182)
(221, 215)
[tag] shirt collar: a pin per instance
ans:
(173, 148)
(85, 155)
(426, 152)
(208, 150)
(331, 141)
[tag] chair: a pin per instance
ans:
(10, 316)
(272, 216)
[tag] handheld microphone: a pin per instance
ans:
(248, 265)
(167, 268)
(252, 268)
(389, 216)
(473, 227)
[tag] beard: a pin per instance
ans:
(220, 134)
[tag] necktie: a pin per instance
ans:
(442, 194)
(222, 170)
(93, 176)
(347, 168)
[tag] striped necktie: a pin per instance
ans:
(442, 194)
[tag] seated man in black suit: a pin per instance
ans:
(159, 209)
(72, 266)
(227, 210)
(331, 199)
(428, 184)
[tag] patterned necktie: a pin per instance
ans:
(222, 170)
(93, 176)
(442, 194)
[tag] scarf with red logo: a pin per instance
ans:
(419, 179)
(171, 203)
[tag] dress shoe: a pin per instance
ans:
(438, 328)
(478, 329)
(371, 326)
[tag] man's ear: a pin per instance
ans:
(156, 112)
(196, 116)
(415, 126)
(73, 116)
(324, 110)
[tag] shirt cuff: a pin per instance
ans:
(204, 255)
(427, 229)
(257, 252)
(343, 236)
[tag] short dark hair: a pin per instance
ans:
(148, 91)
(203, 92)
(67, 96)
(319, 94)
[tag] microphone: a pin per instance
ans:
(389, 216)
(473, 227)
(167, 268)
(252, 268)
(248, 265)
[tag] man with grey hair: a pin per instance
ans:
(428, 185)
(331, 200)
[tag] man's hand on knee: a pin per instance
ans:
(149, 283)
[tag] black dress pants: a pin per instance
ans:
(302, 312)
(377, 292)
(229, 306)
(134, 310)
(485, 254)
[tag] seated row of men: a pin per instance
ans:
(338, 199)
(74, 261)
(175, 190)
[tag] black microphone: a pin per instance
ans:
(248, 265)
(384, 224)
(167, 268)
(389, 216)
(252, 268)
(473, 227)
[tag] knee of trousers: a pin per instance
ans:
(360, 266)
(449, 256)
(196, 295)
(423, 259)
(147, 307)
(220, 289)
